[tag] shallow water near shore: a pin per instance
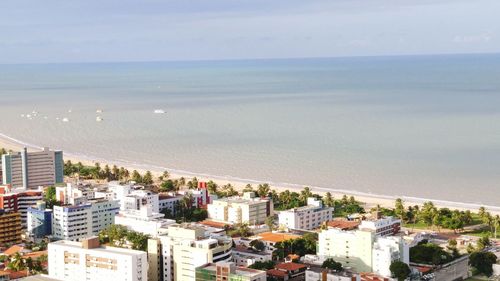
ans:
(424, 126)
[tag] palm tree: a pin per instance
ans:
(182, 182)
(305, 194)
(16, 262)
(166, 175)
(263, 189)
(496, 224)
(328, 200)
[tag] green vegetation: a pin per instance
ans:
(483, 262)
(50, 197)
(17, 263)
(428, 253)
(400, 270)
(119, 236)
(332, 265)
(258, 245)
(301, 246)
(185, 212)
(262, 265)
(239, 230)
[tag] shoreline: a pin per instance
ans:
(369, 200)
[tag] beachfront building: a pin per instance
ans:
(306, 218)
(183, 247)
(130, 196)
(241, 209)
(362, 251)
(228, 271)
(75, 222)
(10, 228)
(19, 200)
(33, 169)
(269, 238)
(143, 220)
(39, 221)
(88, 260)
(381, 226)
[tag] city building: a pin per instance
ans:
(322, 274)
(170, 200)
(73, 195)
(184, 247)
(306, 218)
(130, 196)
(10, 228)
(288, 271)
(269, 238)
(362, 251)
(228, 271)
(245, 256)
(241, 209)
(33, 169)
(39, 221)
(19, 200)
(75, 222)
(381, 226)
(143, 220)
(88, 260)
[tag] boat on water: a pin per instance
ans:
(159, 111)
(65, 119)
(98, 111)
(99, 119)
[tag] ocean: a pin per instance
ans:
(418, 126)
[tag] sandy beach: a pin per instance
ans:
(370, 200)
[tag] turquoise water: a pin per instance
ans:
(426, 127)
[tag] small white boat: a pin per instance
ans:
(28, 116)
(159, 111)
(22, 115)
(69, 111)
(65, 119)
(99, 119)
(98, 111)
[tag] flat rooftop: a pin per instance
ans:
(101, 249)
(243, 271)
(275, 236)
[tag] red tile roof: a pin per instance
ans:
(12, 250)
(275, 272)
(343, 224)
(290, 266)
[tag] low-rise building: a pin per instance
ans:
(241, 209)
(381, 226)
(322, 274)
(269, 238)
(288, 271)
(143, 220)
(10, 228)
(39, 221)
(228, 271)
(75, 222)
(88, 260)
(245, 256)
(306, 218)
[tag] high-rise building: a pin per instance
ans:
(363, 251)
(308, 217)
(241, 209)
(75, 222)
(33, 169)
(19, 200)
(10, 228)
(228, 271)
(39, 221)
(88, 260)
(185, 247)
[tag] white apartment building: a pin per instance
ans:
(381, 226)
(75, 222)
(143, 220)
(228, 271)
(362, 251)
(130, 198)
(243, 256)
(89, 261)
(185, 247)
(306, 218)
(241, 209)
(321, 274)
(72, 195)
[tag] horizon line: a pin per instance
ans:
(254, 59)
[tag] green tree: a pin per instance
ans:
(263, 190)
(258, 245)
(399, 209)
(16, 262)
(148, 178)
(483, 262)
(262, 265)
(305, 194)
(136, 176)
(483, 242)
(332, 265)
(248, 188)
(270, 222)
(400, 270)
(167, 185)
(328, 200)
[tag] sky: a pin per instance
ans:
(50, 31)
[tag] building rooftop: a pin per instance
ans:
(244, 249)
(242, 271)
(277, 273)
(275, 236)
(100, 248)
(290, 266)
(343, 224)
